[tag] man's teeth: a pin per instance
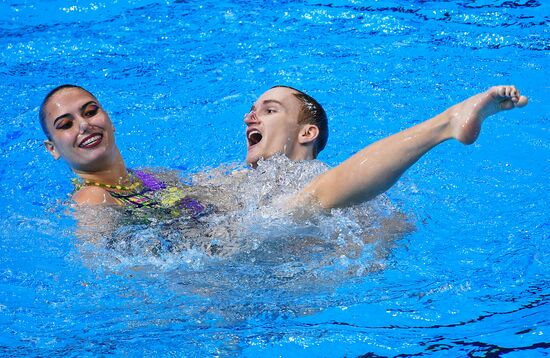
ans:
(251, 133)
(254, 137)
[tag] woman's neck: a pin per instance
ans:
(114, 173)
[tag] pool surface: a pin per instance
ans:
(471, 279)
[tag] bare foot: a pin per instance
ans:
(466, 117)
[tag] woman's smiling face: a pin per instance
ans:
(80, 131)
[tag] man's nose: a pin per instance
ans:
(250, 117)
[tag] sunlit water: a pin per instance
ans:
(454, 261)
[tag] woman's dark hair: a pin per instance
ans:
(42, 111)
(312, 113)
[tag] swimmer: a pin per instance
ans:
(285, 120)
(81, 132)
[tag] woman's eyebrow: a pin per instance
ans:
(61, 117)
(87, 104)
(68, 114)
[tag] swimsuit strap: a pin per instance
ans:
(141, 198)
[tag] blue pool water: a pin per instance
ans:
(472, 278)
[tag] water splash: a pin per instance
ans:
(249, 242)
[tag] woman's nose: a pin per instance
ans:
(83, 125)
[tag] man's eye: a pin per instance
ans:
(270, 111)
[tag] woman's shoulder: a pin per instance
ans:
(93, 195)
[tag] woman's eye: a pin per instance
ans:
(65, 125)
(91, 112)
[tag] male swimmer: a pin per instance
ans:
(285, 120)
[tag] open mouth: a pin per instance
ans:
(91, 141)
(254, 137)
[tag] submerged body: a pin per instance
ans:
(251, 224)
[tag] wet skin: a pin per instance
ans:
(272, 127)
(81, 132)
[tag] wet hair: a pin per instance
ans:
(312, 113)
(42, 111)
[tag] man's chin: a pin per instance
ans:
(252, 156)
(252, 161)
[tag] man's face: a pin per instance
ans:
(81, 132)
(272, 126)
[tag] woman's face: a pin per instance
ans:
(81, 131)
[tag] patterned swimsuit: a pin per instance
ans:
(156, 194)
